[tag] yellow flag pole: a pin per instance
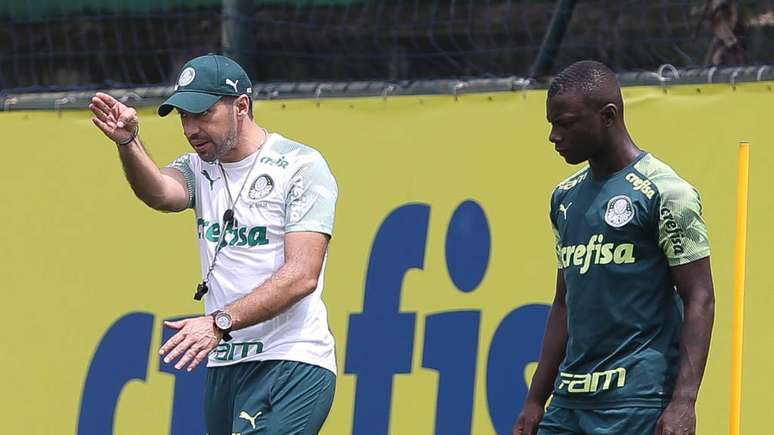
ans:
(739, 270)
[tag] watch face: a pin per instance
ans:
(223, 321)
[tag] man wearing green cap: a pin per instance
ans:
(264, 208)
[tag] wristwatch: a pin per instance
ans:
(223, 322)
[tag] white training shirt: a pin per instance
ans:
(290, 188)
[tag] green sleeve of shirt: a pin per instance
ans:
(682, 234)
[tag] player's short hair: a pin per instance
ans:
(593, 80)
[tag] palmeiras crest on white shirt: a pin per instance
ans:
(619, 212)
(260, 188)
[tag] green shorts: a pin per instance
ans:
(267, 397)
(614, 421)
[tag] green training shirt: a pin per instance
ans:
(616, 239)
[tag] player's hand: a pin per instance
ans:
(679, 418)
(194, 340)
(527, 423)
(115, 119)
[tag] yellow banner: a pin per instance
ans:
(439, 275)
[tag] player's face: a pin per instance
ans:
(212, 133)
(576, 128)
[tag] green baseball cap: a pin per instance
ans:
(203, 81)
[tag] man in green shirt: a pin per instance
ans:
(629, 330)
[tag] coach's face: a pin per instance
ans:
(212, 133)
(576, 127)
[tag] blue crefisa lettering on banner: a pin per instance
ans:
(380, 341)
(122, 356)
(451, 338)
(189, 393)
(515, 344)
(380, 338)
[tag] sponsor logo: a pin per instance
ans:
(619, 212)
(590, 382)
(230, 351)
(382, 341)
(564, 209)
(595, 252)
(209, 178)
(233, 84)
(281, 162)
(235, 235)
(641, 185)
(674, 232)
(261, 187)
(244, 415)
(567, 185)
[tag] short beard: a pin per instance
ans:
(221, 149)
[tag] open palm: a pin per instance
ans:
(116, 120)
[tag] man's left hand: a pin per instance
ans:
(679, 418)
(194, 340)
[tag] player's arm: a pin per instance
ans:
(162, 189)
(551, 355)
(310, 208)
(683, 238)
(694, 284)
(296, 279)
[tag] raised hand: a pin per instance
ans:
(115, 119)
